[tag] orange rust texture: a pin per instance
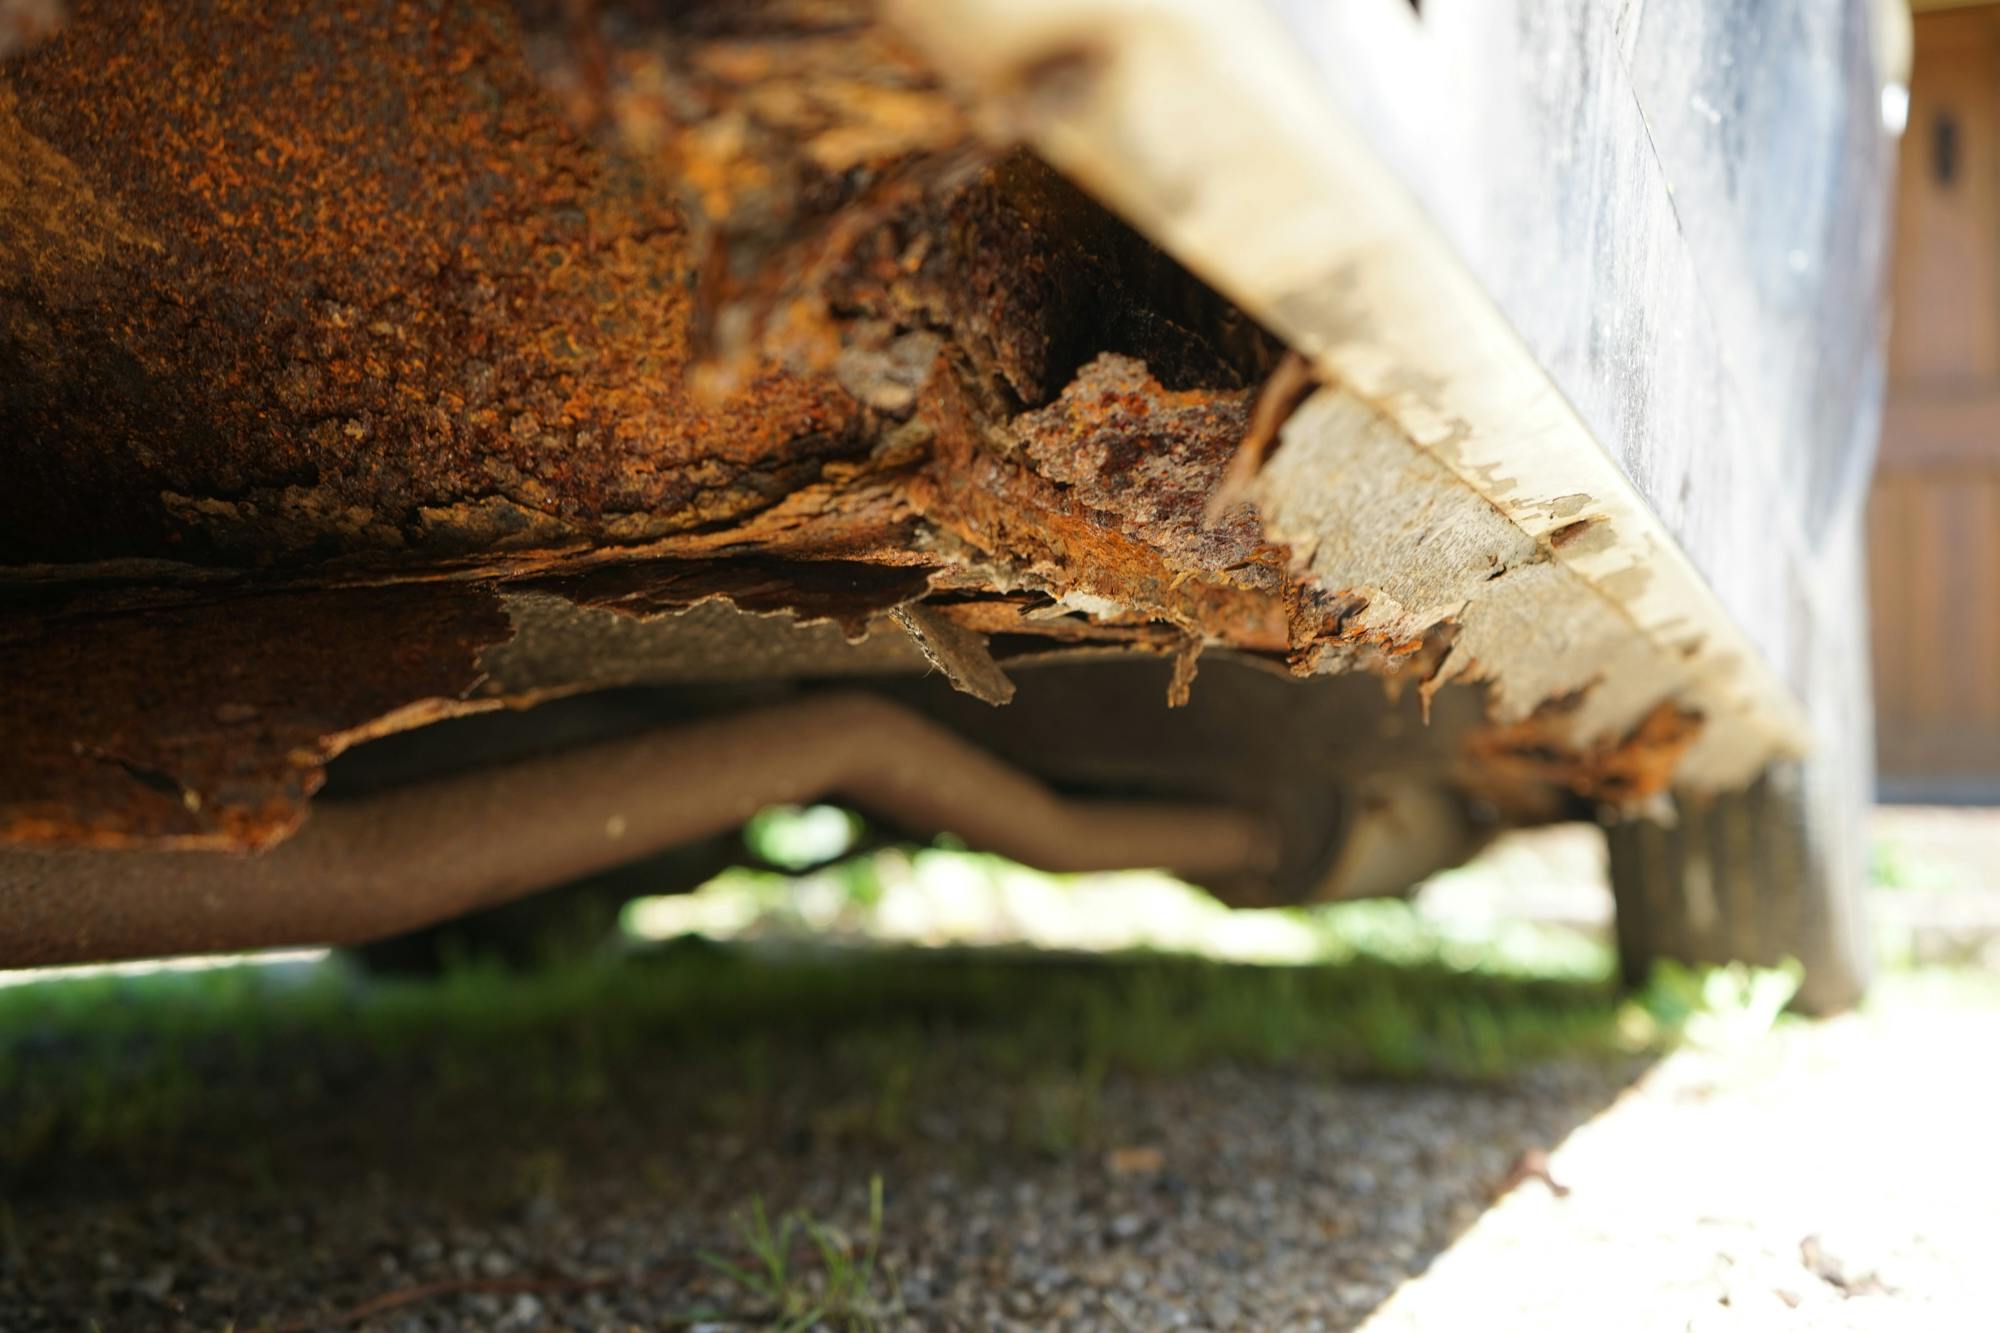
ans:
(1537, 753)
(306, 295)
(1110, 505)
(331, 306)
(368, 289)
(376, 282)
(205, 726)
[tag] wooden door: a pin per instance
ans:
(1935, 513)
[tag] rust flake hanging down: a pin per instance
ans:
(1097, 499)
(208, 724)
(327, 335)
(1538, 753)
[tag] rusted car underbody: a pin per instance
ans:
(372, 365)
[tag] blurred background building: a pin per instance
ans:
(1936, 511)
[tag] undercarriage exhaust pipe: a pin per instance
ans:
(380, 865)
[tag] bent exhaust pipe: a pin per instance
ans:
(380, 865)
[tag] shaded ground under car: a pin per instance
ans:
(1294, 481)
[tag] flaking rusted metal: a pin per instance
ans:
(208, 725)
(325, 331)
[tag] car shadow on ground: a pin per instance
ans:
(1058, 1140)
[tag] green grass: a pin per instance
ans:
(109, 1066)
(105, 1065)
(835, 1285)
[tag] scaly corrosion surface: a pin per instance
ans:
(339, 344)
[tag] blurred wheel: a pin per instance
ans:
(1757, 876)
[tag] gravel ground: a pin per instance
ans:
(1821, 1177)
(1831, 1176)
(1230, 1202)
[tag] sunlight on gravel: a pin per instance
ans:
(1829, 1177)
